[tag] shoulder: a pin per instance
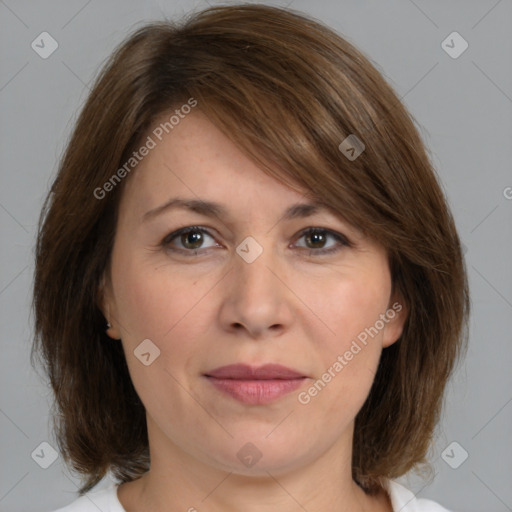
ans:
(403, 500)
(105, 500)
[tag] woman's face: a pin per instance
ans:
(250, 287)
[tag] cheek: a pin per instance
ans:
(351, 305)
(350, 352)
(151, 300)
(166, 309)
(169, 308)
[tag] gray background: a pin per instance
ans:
(463, 107)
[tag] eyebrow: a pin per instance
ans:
(212, 209)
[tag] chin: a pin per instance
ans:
(257, 455)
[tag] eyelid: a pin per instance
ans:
(340, 237)
(186, 229)
(166, 242)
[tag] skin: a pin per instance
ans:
(290, 306)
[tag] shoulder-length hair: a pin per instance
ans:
(288, 91)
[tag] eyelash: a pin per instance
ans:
(341, 239)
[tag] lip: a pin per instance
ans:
(247, 372)
(255, 385)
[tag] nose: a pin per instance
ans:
(257, 300)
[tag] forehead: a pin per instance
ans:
(196, 160)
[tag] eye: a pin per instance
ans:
(317, 238)
(191, 239)
(188, 239)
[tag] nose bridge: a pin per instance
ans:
(252, 267)
(256, 299)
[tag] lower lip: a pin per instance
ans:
(256, 392)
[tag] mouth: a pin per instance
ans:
(255, 385)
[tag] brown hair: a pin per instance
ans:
(287, 90)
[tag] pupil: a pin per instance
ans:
(192, 239)
(317, 239)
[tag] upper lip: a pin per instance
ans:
(247, 372)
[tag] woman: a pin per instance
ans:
(249, 288)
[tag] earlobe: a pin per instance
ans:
(104, 304)
(111, 327)
(396, 315)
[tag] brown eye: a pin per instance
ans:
(192, 239)
(188, 240)
(316, 240)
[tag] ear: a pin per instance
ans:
(107, 306)
(396, 315)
